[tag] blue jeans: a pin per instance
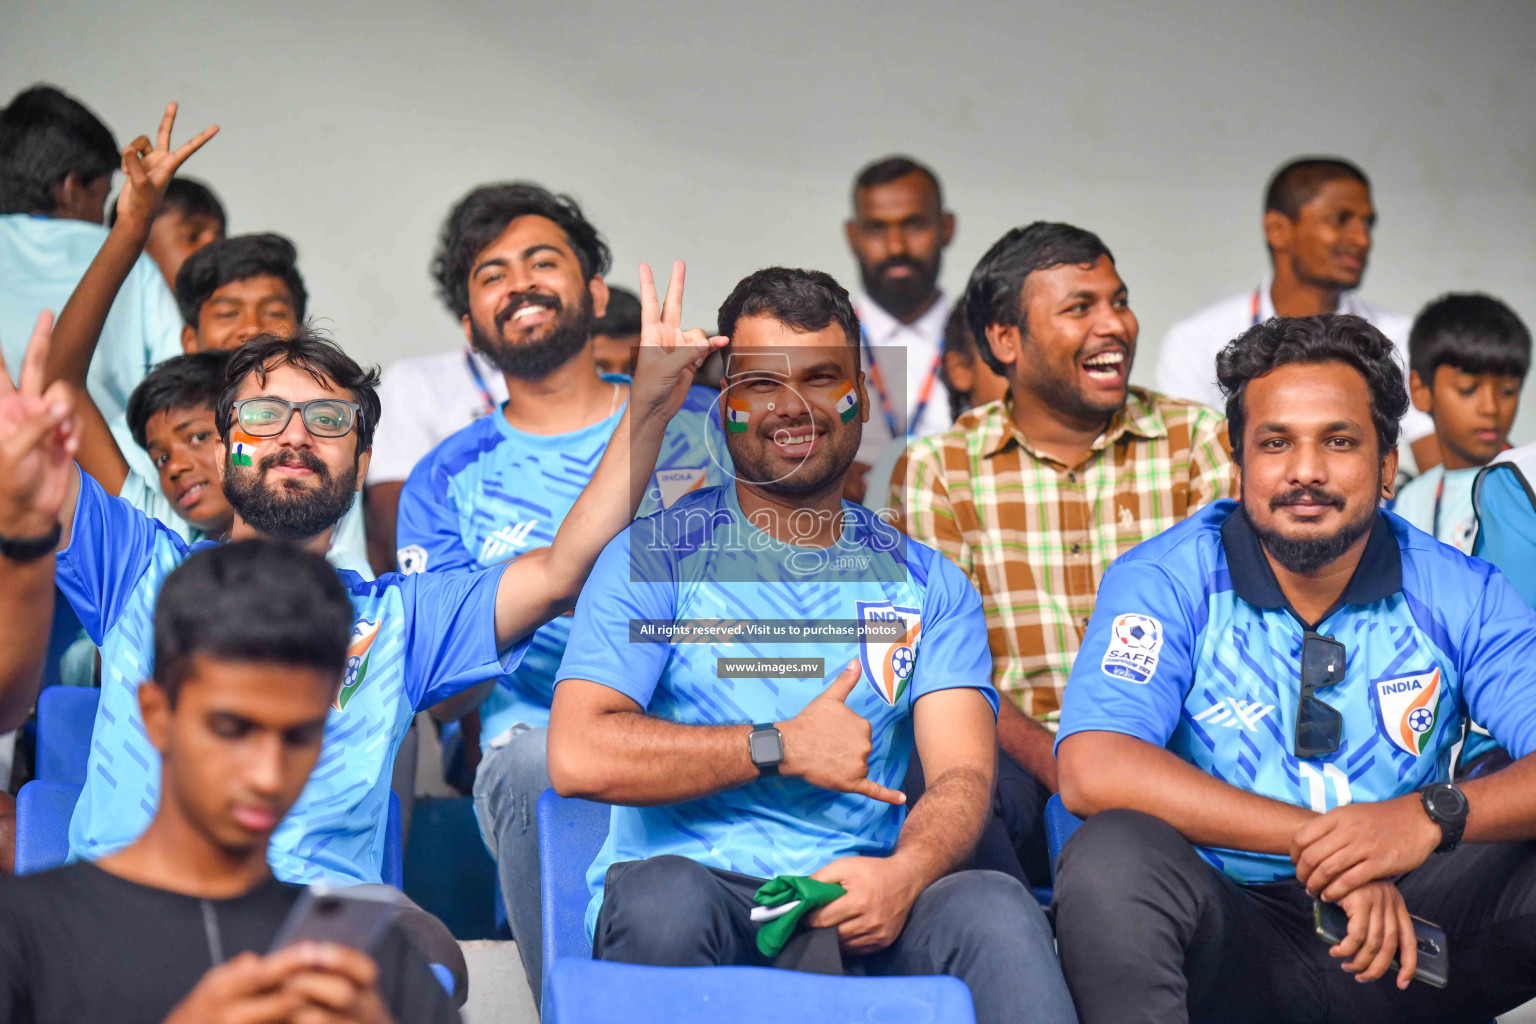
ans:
(512, 774)
(982, 927)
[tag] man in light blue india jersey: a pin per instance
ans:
(1266, 709)
(523, 270)
(748, 676)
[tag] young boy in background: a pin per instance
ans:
(189, 217)
(1468, 355)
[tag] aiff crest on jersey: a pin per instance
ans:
(1409, 707)
(888, 663)
(364, 633)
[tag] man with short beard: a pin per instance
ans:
(523, 269)
(1271, 693)
(296, 418)
(710, 805)
(1035, 495)
(898, 233)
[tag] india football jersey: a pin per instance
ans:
(1192, 646)
(770, 625)
(415, 641)
(491, 492)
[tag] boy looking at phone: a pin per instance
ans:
(1265, 710)
(250, 643)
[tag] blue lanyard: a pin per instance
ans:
(874, 377)
(488, 399)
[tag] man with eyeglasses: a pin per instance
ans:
(1266, 709)
(296, 418)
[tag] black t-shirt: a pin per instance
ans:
(81, 944)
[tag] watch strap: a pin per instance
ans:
(30, 549)
(1451, 826)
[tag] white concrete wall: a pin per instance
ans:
(727, 133)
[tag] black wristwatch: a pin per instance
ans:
(765, 745)
(30, 549)
(1447, 807)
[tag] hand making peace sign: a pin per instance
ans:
(669, 356)
(150, 170)
(38, 437)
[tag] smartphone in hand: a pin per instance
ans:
(1434, 968)
(349, 916)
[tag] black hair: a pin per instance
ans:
(45, 136)
(181, 382)
(240, 258)
(959, 340)
(320, 357)
(1334, 337)
(484, 213)
(251, 601)
(888, 169)
(190, 198)
(994, 294)
(807, 300)
(623, 316)
(1298, 182)
(1471, 332)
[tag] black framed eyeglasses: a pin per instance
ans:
(323, 417)
(1319, 726)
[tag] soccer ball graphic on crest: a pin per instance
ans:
(1137, 632)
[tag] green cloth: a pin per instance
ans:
(783, 889)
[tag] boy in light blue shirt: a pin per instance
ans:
(1468, 356)
(56, 164)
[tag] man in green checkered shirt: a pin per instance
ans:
(1035, 495)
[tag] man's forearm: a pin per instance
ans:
(943, 826)
(628, 757)
(26, 609)
(81, 321)
(1502, 806)
(532, 591)
(1027, 742)
(1104, 770)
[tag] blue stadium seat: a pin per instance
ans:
(1060, 823)
(42, 824)
(43, 809)
(393, 868)
(581, 991)
(65, 715)
(571, 832)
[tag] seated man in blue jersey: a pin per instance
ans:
(523, 269)
(296, 418)
(1265, 710)
(711, 804)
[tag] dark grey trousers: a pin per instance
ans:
(1151, 934)
(979, 926)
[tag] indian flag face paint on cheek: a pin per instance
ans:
(736, 416)
(242, 447)
(846, 402)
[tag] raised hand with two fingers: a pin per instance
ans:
(669, 356)
(39, 434)
(150, 168)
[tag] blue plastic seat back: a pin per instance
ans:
(598, 992)
(393, 868)
(1506, 525)
(65, 716)
(43, 810)
(571, 832)
(1060, 823)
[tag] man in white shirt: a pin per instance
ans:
(56, 164)
(898, 233)
(426, 400)
(1318, 219)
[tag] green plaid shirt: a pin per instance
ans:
(1035, 536)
